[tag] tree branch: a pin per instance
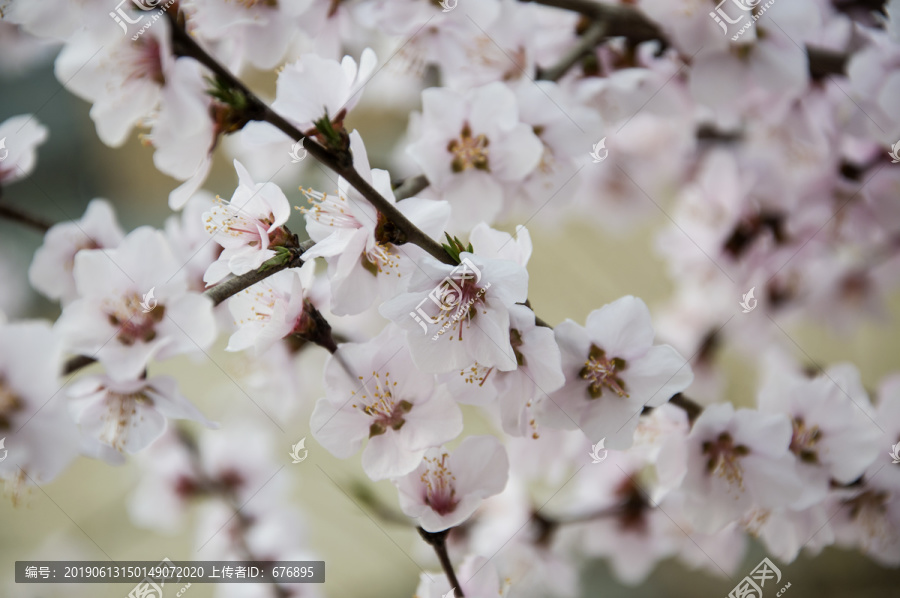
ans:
(411, 187)
(185, 45)
(218, 294)
(17, 215)
(591, 38)
(628, 22)
(438, 541)
(233, 286)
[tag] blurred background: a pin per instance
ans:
(84, 513)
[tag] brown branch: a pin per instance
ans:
(625, 21)
(341, 163)
(17, 215)
(233, 286)
(591, 38)
(438, 541)
(692, 409)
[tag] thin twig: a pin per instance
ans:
(17, 215)
(233, 286)
(692, 409)
(438, 541)
(185, 45)
(593, 36)
(631, 23)
(411, 187)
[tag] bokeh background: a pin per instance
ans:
(575, 268)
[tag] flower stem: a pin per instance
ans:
(438, 541)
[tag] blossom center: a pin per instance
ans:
(465, 296)
(135, 325)
(468, 151)
(10, 403)
(379, 404)
(603, 372)
(228, 220)
(476, 374)
(146, 62)
(722, 458)
(328, 210)
(121, 416)
(804, 440)
(438, 480)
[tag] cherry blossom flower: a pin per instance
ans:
(445, 489)
(363, 263)
(257, 32)
(313, 87)
(834, 436)
(736, 460)
(182, 130)
(186, 233)
(613, 370)
(767, 71)
(482, 291)
(431, 35)
(123, 79)
(400, 410)
(635, 535)
(128, 415)
(133, 306)
(271, 309)
(51, 270)
(21, 135)
(521, 393)
(247, 226)
(472, 149)
(40, 439)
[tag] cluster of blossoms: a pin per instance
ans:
(768, 155)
